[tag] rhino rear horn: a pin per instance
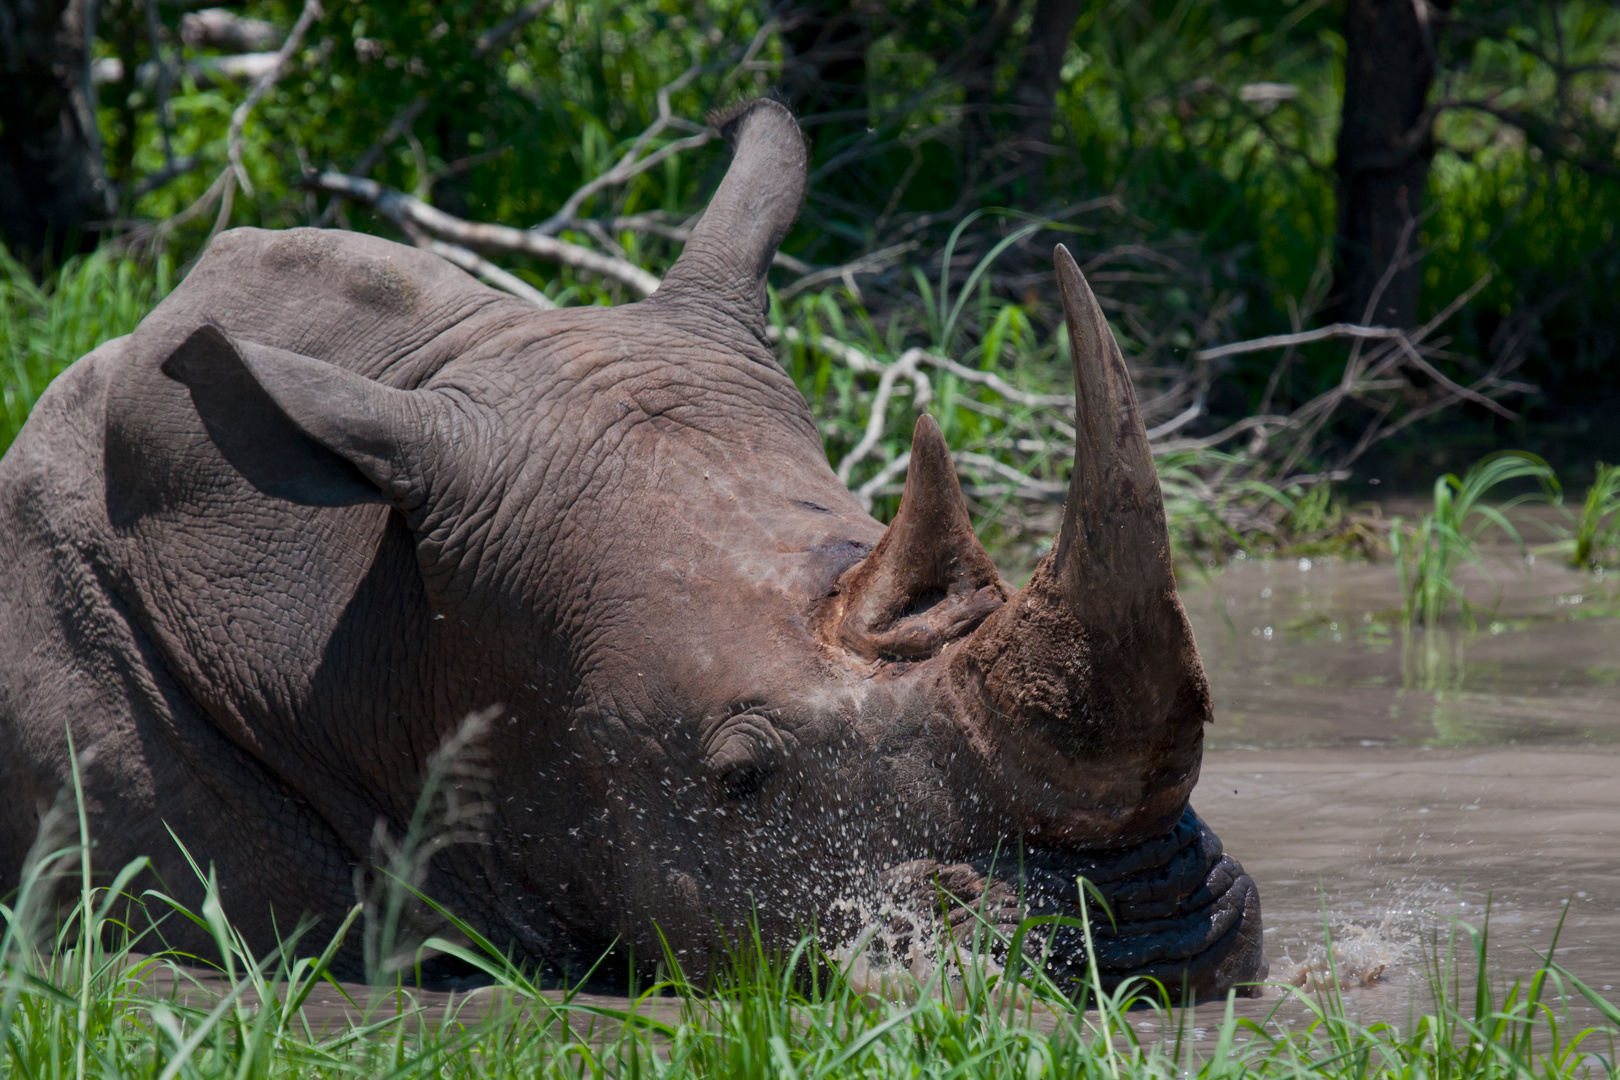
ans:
(732, 246)
(928, 580)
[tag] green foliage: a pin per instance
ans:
(1213, 122)
(503, 133)
(1194, 181)
(1156, 108)
(1537, 206)
(1169, 105)
(46, 325)
(1432, 550)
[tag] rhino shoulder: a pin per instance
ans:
(357, 268)
(53, 531)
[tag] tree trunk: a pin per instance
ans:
(1383, 158)
(1035, 96)
(51, 180)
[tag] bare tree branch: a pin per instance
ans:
(233, 137)
(906, 366)
(175, 168)
(412, 111)
(508, 26)
(488, 272)
(234, 172)
(399, 125)
(656, 225)
(1304, 337)
(165, 72)
(399, 207)
(865, 264)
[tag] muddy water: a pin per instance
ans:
(1394, 782)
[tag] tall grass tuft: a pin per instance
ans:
(47, 324)
(1432, 550)
(1597, 530)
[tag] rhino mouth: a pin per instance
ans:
(1178, 910)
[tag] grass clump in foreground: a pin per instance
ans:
(82, 995)
(1595, 542)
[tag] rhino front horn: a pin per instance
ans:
(1113, 553)
(928, 581)
(1093, 696)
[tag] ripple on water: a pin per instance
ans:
(1317, 658)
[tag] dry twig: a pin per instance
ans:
(632, 164)
(235, 172)
(401, 208)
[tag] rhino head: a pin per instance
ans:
(728, 691)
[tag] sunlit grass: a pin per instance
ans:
(47, 324)
(1433, 549)
(1596, 539)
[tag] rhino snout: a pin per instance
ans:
(1176, 909)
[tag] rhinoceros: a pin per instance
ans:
(264, 553)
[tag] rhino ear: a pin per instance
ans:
(730, 251)
(304, 430)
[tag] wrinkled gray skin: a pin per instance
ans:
(264, 553)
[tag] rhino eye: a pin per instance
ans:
(744, 752)
(745, 781)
